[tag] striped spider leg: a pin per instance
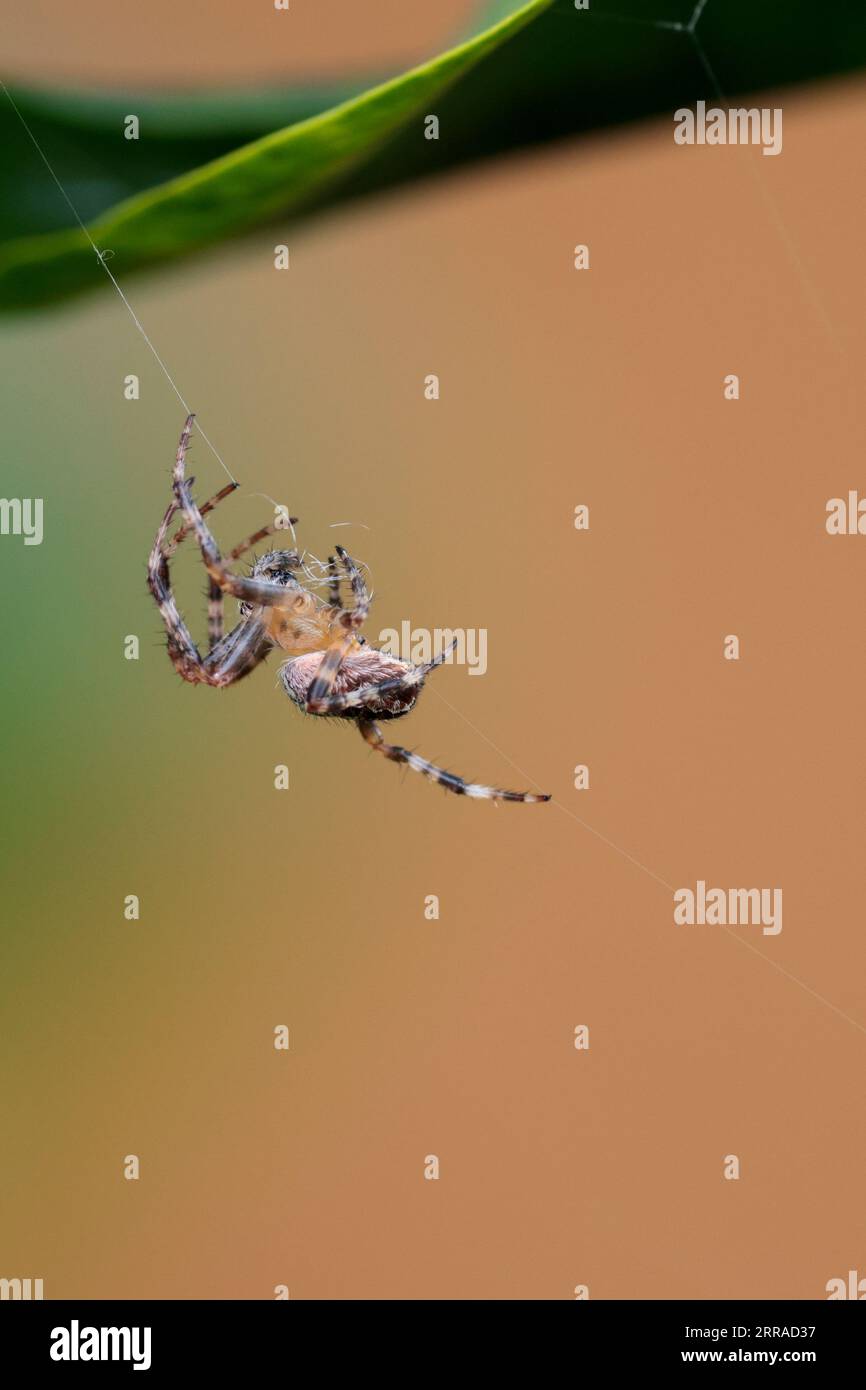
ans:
(373, 735)
(403, 690)
(230, 657)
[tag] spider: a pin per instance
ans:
(330, 670)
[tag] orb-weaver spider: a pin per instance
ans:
(330, 670)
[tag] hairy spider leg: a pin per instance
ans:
(182, 649)
(256, 591)
(238, 653)
(351, 620)
(333, 583)
(372, 735)
(262, 534)
(359, 589)
(216, 598)
(216, 611)
(208, 506)
(232, 656)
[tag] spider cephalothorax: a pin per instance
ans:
(329, 667)
(280, 567)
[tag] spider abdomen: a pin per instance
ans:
(362, 667)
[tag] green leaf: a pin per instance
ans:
(542, 70)
(275, 174)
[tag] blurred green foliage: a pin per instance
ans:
(209, 166)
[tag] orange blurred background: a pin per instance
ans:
(306, 908)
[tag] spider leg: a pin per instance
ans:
(353, 574)
(182, 649)
(356, 579)
(372, 735)
(208, 506)
(257, 536)
(241, 651)
(333, 583)
(256, 591)
(230, 658)
(215, 615)
(215, 608)
(360, 593)
(244, 546)
(216, 598)
(368, 696)
(351, 620)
